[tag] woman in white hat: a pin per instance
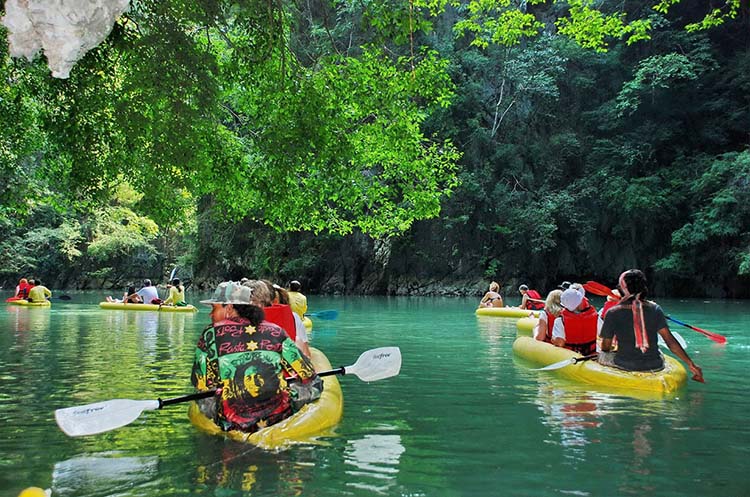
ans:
(576, 327)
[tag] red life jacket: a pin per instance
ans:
(607, 306)
(550, 326)
(23, 290)
(533, 294)
(281, 314)
(580, 330)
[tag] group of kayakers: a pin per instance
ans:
(31, 290)
(530, 298)
(624, 334)
(149, 294)
(253, 356)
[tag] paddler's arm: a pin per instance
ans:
(677, 350)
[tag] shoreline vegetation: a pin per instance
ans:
(425, 150)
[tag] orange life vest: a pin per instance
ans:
(281, 314)
(533, 294)
(607, 306)
(580, 330)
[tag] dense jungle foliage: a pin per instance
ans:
(397, 147)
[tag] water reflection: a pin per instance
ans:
(376, 462)
(571, 415)
(102, 474)
(240, 469)
(26, 319)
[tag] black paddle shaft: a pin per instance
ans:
(341, 370)
(187, 398)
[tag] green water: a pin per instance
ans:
(462, 419)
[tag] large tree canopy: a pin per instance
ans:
(553, 138)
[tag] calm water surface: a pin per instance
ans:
(462, 419)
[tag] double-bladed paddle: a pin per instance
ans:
(329, 314)
(603, 290)
(576, 360)
(90, 419)
(567, 362)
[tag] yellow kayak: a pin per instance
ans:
(310, 421)
(26, 303)
(506, 312)
(146, 307)
(526, 326)
(308, 323)
(664, 382)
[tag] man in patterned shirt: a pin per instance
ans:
(246, 357)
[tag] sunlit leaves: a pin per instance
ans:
(591, 28)
(340, 147)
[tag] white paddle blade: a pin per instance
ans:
(99, 417)
(376, 364)
(677, 337)
(557, 365)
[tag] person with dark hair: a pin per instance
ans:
(297, 301)
(38, 292)
(176, 294)
(636, 323)
(248, 358)
(149, 294)
(129, 297)
(530, 299)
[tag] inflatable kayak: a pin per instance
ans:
(26, 303)
(505, 312)
(526, 326)
(146, 307)
(311, 420)
(664, 382)
(308, 323)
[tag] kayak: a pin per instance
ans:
(505, 312)
(664, 382)
(34, 492)
(26, 303)
(310, 421)
(526, 326)
(146, 307)
(308, 323)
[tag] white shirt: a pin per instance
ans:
(299, 325)
(148, 293)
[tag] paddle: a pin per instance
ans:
(710, 334)
(62, 297)
(90, 419)
(599, 289)
(567, 362)
(329, 314)
(372, 365)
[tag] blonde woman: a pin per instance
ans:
(492, 298)
(552, 309)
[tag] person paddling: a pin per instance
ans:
(297, 300)
(247, 358)
(637, 323)
(38, 292)
(530, 299)
(176, 294)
